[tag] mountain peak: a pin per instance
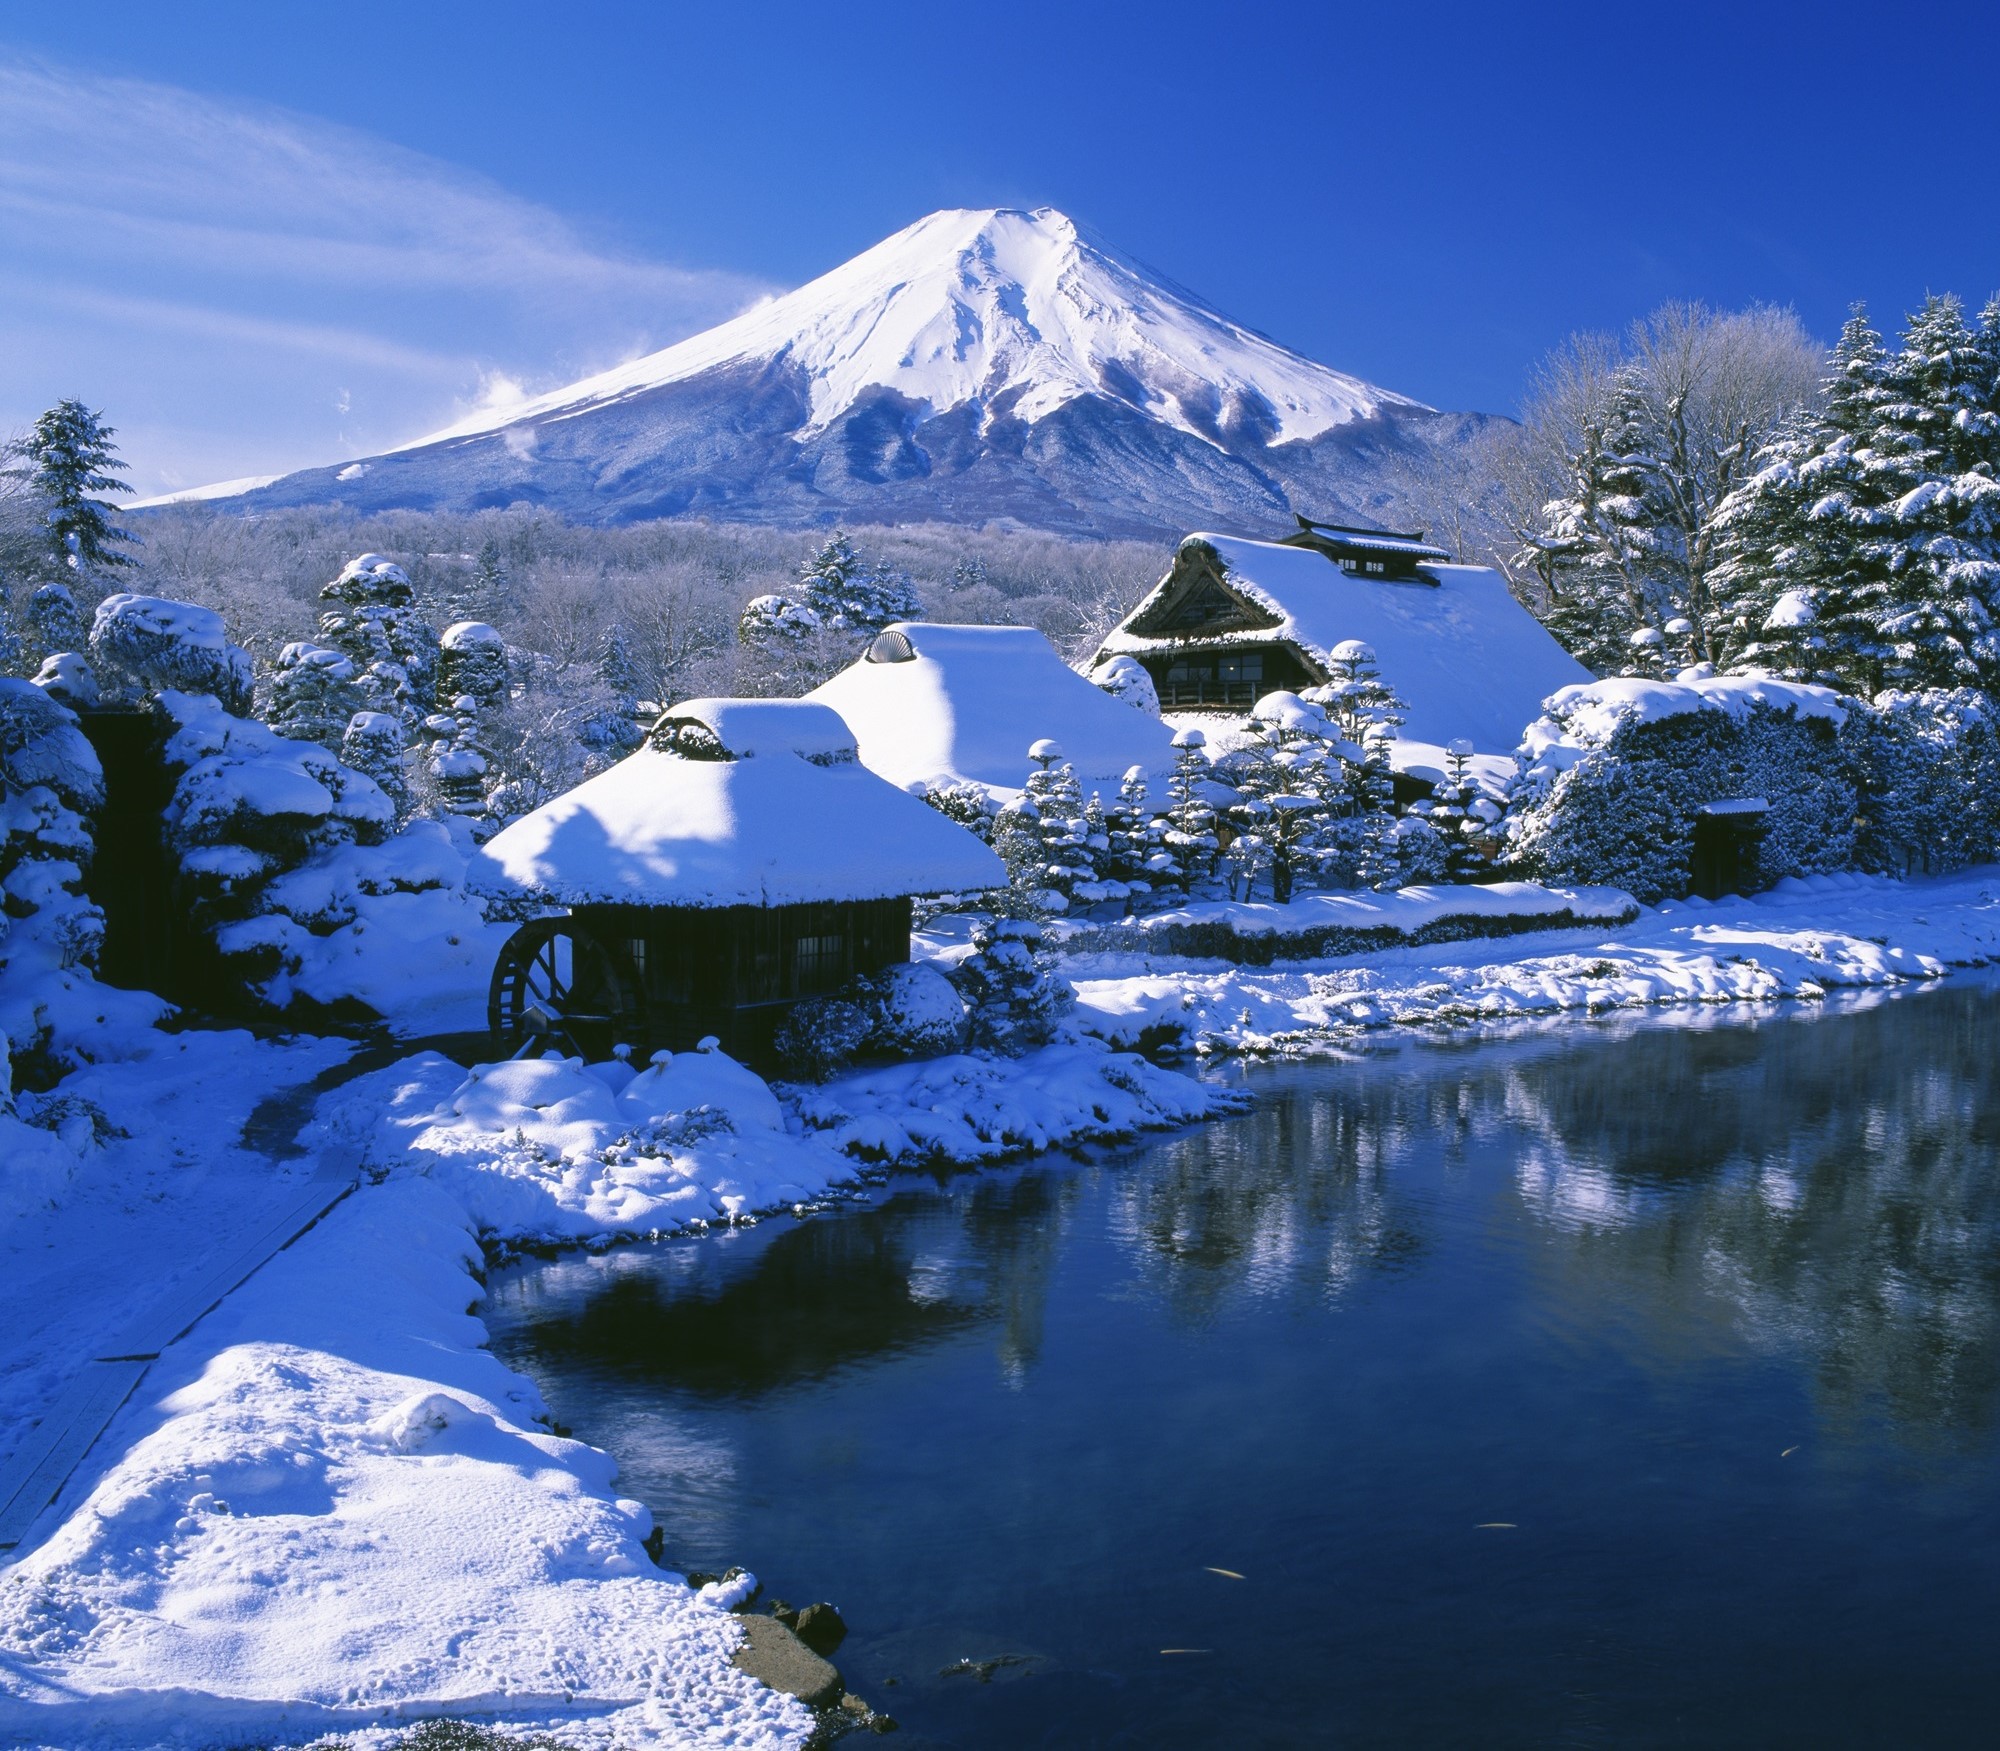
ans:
(1009, 311)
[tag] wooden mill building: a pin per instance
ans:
(741, 860)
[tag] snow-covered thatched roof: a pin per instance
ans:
(735, 802)
(1466, 658)
(954, 704)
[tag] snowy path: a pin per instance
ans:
(150, 1211)
(46, 1456)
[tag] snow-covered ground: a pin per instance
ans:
(1804, 938)
(330, 1509)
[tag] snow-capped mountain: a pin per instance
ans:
(979, 365)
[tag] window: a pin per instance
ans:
(820, 961)
(635, 946)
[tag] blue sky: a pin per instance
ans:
(266, 236)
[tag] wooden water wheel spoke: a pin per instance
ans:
(556, 983)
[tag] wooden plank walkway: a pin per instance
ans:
(34, 1476)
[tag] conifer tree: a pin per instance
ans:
(1189, 835)
(68, 461)
(373, 745)
(370, 619)
(313, 695)
(1126, 824)
(1064, 832)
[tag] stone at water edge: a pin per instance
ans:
(773, 1655)
(821, 1628)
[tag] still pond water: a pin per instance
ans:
(1620, 1384)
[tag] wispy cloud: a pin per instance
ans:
(247, 289)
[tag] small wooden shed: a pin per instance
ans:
(740, 861)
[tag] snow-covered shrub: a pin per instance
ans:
(1928, 766)
(472, 658)
(370, 619)
(913, 1012)
(1610, 779)
(51, 786)
(1417, 853)
(373, 745)
(250, 805)
(68, 679)
(1015, 997)
(820, 1035)
(52, 623)
(1126, 678)
(968, 804)
(158, 645)
(904, 1011)
(313, 693)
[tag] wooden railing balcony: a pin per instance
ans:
(1209, 695)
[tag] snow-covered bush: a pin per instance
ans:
(472, 658)
(373, 746)
(905, 1011)
(1016, 999)
(50, 788)
(819, 1035)
(249, 806)
(370, 619)
(313, 694)
(1928, 766)
(913, 1012)
(156, 645)
(1610, 779)
(970, 805)
(68, 679)
(1126, 678)
(50, 785)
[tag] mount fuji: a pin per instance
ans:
(980, 366)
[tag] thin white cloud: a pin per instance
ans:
(249, 289)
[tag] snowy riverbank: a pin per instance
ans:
(329, 1508)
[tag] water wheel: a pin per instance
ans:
(558, 984)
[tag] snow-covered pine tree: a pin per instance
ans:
(370, 618)
(52, 624)
(1189, 834)
(373, 745)
(1126, 823)
(1593, 542)
(472, 659)
(1452, 813)
(1016, 998)
(313, 694)
(1067, 859)
(1805, 588)
(67, 460)
(1940, 527)
(1017, 841)
(851, 594)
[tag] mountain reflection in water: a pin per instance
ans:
(1602, 1275)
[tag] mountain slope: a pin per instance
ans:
(977, 366)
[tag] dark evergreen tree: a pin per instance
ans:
(68, 461)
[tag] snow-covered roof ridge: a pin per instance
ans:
(966, 703)
(995, 306)
(762, 810)
(745, 728)
(1467, 659)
